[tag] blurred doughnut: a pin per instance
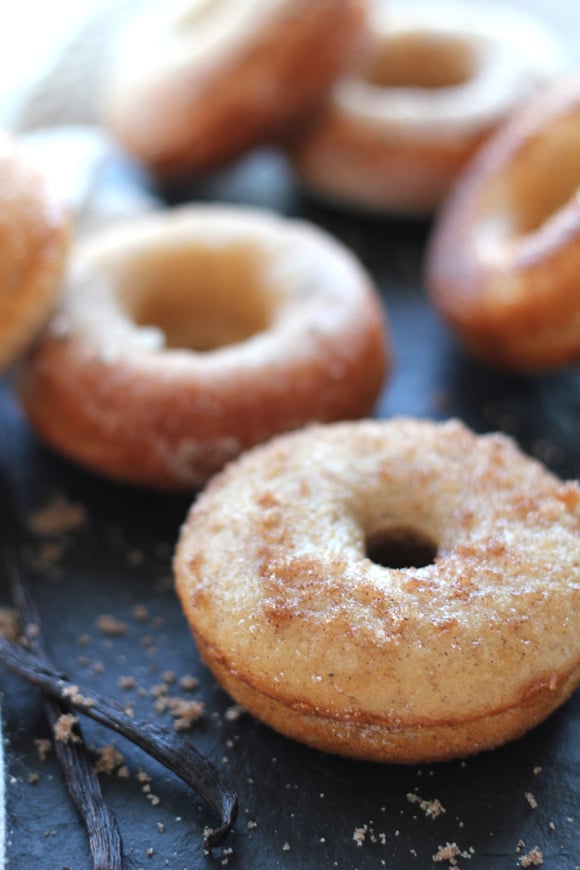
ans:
(199, 82)
(184, 337)
(434, 82)
(504, 262)
(34, 238)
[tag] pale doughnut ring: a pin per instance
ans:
(183, 338)
(387, 664)
(434, 82)
(504, 262)
(34, 238)
(197, 83)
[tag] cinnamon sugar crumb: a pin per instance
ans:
(531, 800)
(126, 682)
(109, 625)
(359, 835)
(188, 683)
(57, 518)
(233, 713)
(43, 747)
(185, 712)
(533, 858)
(432, 809)
(63, 728)
(109, 759)
(9, 624)
(451, 852)
(140, 613)
(32, 778)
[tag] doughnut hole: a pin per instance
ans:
(535, 186)
(202, 299)
(400, 547)
(419, 60)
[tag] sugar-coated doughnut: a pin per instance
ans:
(280, 568)
(504, 261)
(197, 83)
(434, 82)
(34, 237)
(184, 337)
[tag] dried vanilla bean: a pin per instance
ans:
(78, 769)
(169, 748)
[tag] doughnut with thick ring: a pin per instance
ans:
(467, 640)
(435, 81)
(504, 262)
(199, 82)
(183, 338)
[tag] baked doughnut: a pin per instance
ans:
(280, 568)
(199, 82)
(34, 237)
(183, 338)
(504, 262)
(434, 82)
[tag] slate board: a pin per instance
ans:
(298, 808)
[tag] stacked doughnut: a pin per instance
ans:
(34, 237)
(196, 83)
(434, 81)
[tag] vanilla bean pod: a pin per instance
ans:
(169, 748)
(78, 769)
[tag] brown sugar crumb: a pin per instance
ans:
(9, 625)
(109, 759)
(159, 689)
(123, 772)
(43, 747)
(451, 852)
(188, 683)
(140, 613)
(359, 835)
(143, 777)
(84, 639)
(233, 713)
(168, 677)
(160, 827)
(127, 682)
(531, 800)
(153, 799)
(533, 858)
(186, 713)
(32, 778)
(57, 518)
(63, 728)
(109, 625)
(432, 808)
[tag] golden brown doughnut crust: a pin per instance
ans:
(184, 337)
(434, 81)
(399, 665)
(504, 259)
(183, 108)
(34, 236)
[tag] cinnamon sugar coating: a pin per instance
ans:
(195, 84)
(402, 665)
(504, 260)
(432, 83)
(184, 337)
(34, 237)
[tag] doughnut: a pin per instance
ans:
(199, 82)
(504, 258)
(34, 237)
(391, 590)
(184, 337)
(433, 83)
